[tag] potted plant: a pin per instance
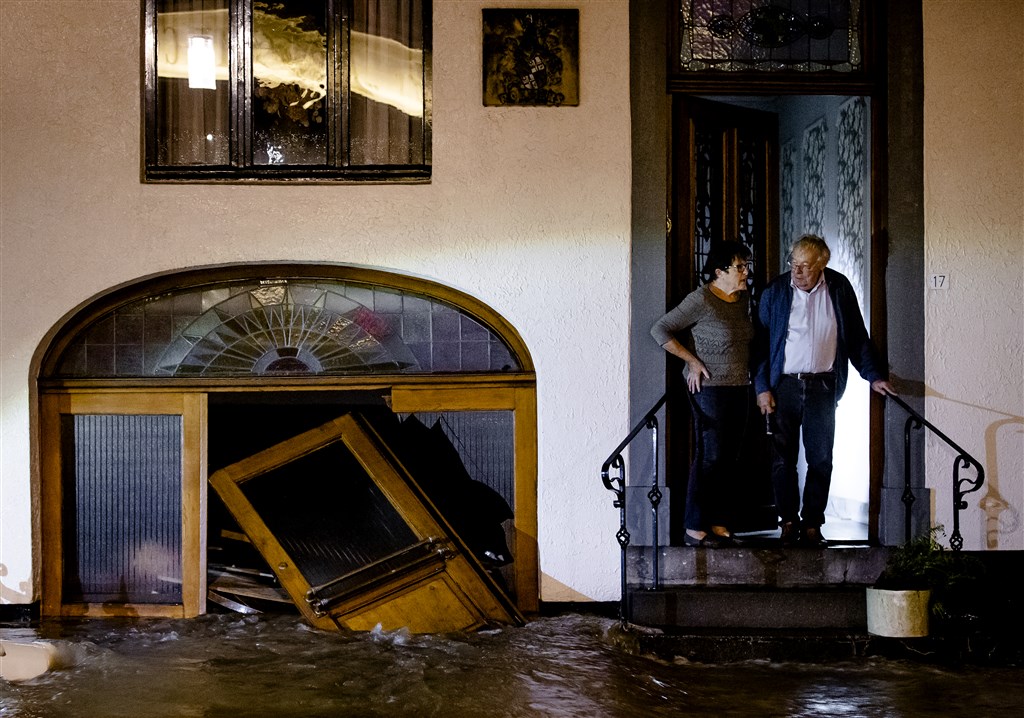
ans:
(922, 579)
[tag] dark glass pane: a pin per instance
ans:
(386, 78)
(485, 443)
(192, 87)
(289, 68)
(737, 35)
(328, 514)
(707, 156)
(122, 509)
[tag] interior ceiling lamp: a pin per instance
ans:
(202, 63)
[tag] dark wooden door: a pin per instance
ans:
(725, 187)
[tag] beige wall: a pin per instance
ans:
(528, 211)
(974, 233)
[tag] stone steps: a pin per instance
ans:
(751, 608)
(753, 588)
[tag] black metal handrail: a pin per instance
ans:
(963, 461)
(617, 485)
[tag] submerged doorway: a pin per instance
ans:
(148, 389)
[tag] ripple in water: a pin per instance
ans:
(570, 665)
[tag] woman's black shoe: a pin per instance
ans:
(709, 540)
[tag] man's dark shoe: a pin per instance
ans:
(789, 534)
(813, 538)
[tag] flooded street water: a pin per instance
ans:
(570, 665)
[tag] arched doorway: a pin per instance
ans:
(148, 389)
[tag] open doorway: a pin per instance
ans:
(763, 170)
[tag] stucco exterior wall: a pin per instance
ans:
(974, 234)
(528, 210)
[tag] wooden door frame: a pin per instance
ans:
(193, 410)
(409, 394)
(487, 391)
(681, 270)
(878, 192)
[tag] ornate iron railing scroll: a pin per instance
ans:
(617, 485)
(962, 485)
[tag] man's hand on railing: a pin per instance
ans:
(882, 386)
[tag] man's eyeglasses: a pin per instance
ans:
(741, 268)
(803, 267)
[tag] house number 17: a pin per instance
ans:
(939, 281)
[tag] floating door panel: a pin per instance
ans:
(353, 539)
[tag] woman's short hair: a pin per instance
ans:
(721, 256)
(812, 243)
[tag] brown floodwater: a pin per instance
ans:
(567, 665)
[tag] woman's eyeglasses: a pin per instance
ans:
(741, 268)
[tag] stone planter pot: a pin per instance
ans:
(898, 614)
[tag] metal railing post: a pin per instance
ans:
(617, 485)
(654, 496)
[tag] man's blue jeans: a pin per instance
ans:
(722, 418)
(808, 404)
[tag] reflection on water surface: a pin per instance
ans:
(571, 665)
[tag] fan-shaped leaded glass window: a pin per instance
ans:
(772, 35)
(284, 327)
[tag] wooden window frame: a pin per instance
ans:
(241, 169)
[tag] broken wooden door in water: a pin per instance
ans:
(354, 539)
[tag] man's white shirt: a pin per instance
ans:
(811, 339)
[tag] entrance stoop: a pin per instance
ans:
(756, 602)
(763, 602)
(758, 588)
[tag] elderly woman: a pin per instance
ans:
(716, 320)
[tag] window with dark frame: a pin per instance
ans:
(288, 90)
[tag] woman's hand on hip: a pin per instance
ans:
(696, 372)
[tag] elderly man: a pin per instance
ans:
(814, 330)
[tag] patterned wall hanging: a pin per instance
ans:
(531, 57)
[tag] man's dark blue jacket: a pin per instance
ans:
(852, 342)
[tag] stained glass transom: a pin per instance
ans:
(801, 35)
(284, 327)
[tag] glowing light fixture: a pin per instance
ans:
(202, 64)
